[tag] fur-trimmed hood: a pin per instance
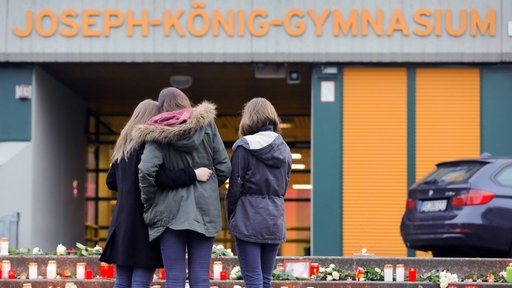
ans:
(187, 135)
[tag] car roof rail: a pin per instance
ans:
(485, 155)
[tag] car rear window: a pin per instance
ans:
(504, 177)
(453, 172)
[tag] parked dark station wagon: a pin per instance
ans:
(462, 209)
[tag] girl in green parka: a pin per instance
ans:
(183, 220)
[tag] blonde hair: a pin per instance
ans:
(172, 99)
(126, 143)
(258, 113)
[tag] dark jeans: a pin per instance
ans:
(175, 244)
(133, 277)
(256, 262)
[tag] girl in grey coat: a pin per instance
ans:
(184, 220)
(261, 166)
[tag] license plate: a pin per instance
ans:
(433, 206)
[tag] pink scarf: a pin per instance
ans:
(171, 119)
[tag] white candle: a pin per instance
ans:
(80, 270)
(32, 270)
(388, 273)
(217, 268)
(6, 266)
(400, 272)
(51, 270)
(4, 246)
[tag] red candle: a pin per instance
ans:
(12, 274)
(313, 269)
(223, 275)
(412, 274)
(103, 270)
(88, 274)
(162, 274)
(111, 271)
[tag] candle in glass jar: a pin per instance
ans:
(6, 266)
(388, 273)
(27, 285)
(51, 269)
(509, 273)
(313, 269)
(280, 266)
(217, 268)
(88, 274)
(32, 270)
(103, 270)
(12, 274)
(4, 246)
(80, 270)
(412, 274)
(223, 275)
(400, 272)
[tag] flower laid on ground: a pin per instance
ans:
(280, 275)
(37, 251)
(446, 278)
(61, 250)
(219, 251)
(333, 273)
(82, 250)
(236, 273)
(277, 275)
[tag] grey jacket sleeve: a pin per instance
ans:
(150, 161)
(221, 163)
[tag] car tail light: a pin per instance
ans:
(409, 204)
(474, 197)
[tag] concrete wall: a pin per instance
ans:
(59, 153)
(15, 188)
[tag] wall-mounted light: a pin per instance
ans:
(294, 77)
(181, 81)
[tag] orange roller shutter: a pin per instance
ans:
(374, 159)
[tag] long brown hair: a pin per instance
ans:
(172, 99)
(126, 143)
(257, 113)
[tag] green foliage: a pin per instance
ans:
(280, 275)
(432, 276)
(373, 274)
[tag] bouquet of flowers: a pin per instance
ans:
(219, 251)
(333, 273)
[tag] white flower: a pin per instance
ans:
(322, 269)
(445, 278)
(332, 266)
(61, 249)
(37, 251)
(503, 274)
(329, 278)
(237, 286)
(335, 275)
(328, 270)
(97, 249)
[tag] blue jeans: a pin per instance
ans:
(133, 277)
(175, 244)
(256, 262)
